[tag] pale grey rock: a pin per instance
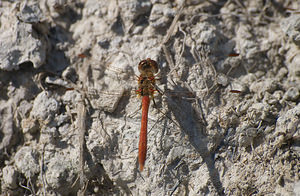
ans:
(98, 8)
(24, 108)
(29, 125)
(278, 94)
(282, 73)
(61, 119)
(6, 125)
(222, 80)
(27, 161)
(71, 97)
(287, 126)
(161, 15)
(292, 94)
(291, 27)
(61, 173)
(57, 7)
(17, 94)
(246, 136)
(297, 188)
(19, 42)
(259, 111)
(261, 86)
(30, 13)
(132, 9)
(293, 59)
(49, 135)
(44, 107)
(270, 99)
(9, 177)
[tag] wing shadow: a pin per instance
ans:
(194, 125)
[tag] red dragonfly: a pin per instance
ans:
(146, 88)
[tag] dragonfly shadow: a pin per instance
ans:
(194, 125)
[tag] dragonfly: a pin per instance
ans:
(146, 88)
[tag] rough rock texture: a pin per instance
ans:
(228, 117)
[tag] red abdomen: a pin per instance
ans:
(143, 133)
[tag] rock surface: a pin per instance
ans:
(229, 114)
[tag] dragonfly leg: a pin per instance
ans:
(155, 106)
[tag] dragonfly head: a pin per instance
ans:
(148, 66)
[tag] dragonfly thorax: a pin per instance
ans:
(146, 81)
(146, 86)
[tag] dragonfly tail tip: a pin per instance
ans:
(141, 168)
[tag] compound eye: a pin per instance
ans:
(153, 65)
(142, 66)
(148, 65)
